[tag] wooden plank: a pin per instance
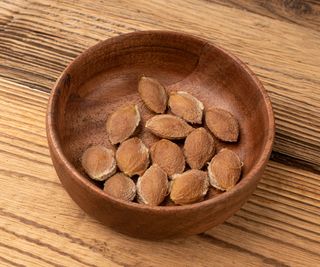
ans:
(279, 225)
(305, 13)
(39, 38)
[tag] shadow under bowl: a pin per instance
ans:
(105, 77)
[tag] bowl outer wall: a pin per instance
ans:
(140, 220)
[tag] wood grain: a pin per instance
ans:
(41, 226)
(38, 39)
(301, 12)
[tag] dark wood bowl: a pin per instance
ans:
(106, 75)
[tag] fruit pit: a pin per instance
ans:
(183, 167)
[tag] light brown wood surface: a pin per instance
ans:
(39, 223)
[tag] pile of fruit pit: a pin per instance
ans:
(163, 177)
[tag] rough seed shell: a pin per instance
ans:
(222, 124)
(224, 169)
(132, 157)
(152, 187)
(120, 186)
(186, 106)
(98, 162)
(189, 187)
(122, 123)
(168, 156)
(169, 126)
(153, 94)
(199, 147)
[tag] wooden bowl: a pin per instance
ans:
(106, 75)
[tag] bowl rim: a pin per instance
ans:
(56, 148)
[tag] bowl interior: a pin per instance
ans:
(106, 77)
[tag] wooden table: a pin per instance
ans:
(39, 223)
